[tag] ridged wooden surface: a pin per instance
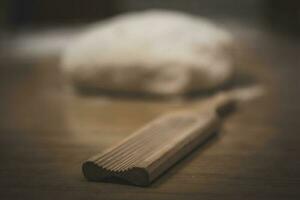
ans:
(148, 141)
(153, 148)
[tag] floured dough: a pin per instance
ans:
(152, 52)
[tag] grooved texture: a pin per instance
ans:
(143, 156)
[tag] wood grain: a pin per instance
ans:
(146, 154)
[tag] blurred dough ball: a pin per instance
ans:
(152, 52)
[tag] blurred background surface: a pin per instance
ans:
(33, 27)
(19, 13)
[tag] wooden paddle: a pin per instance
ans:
(147, 153)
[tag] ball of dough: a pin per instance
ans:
(152, 52)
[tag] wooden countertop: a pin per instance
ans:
(46, 131)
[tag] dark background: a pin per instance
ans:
(275, 14)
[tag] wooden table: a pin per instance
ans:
(46, 131)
